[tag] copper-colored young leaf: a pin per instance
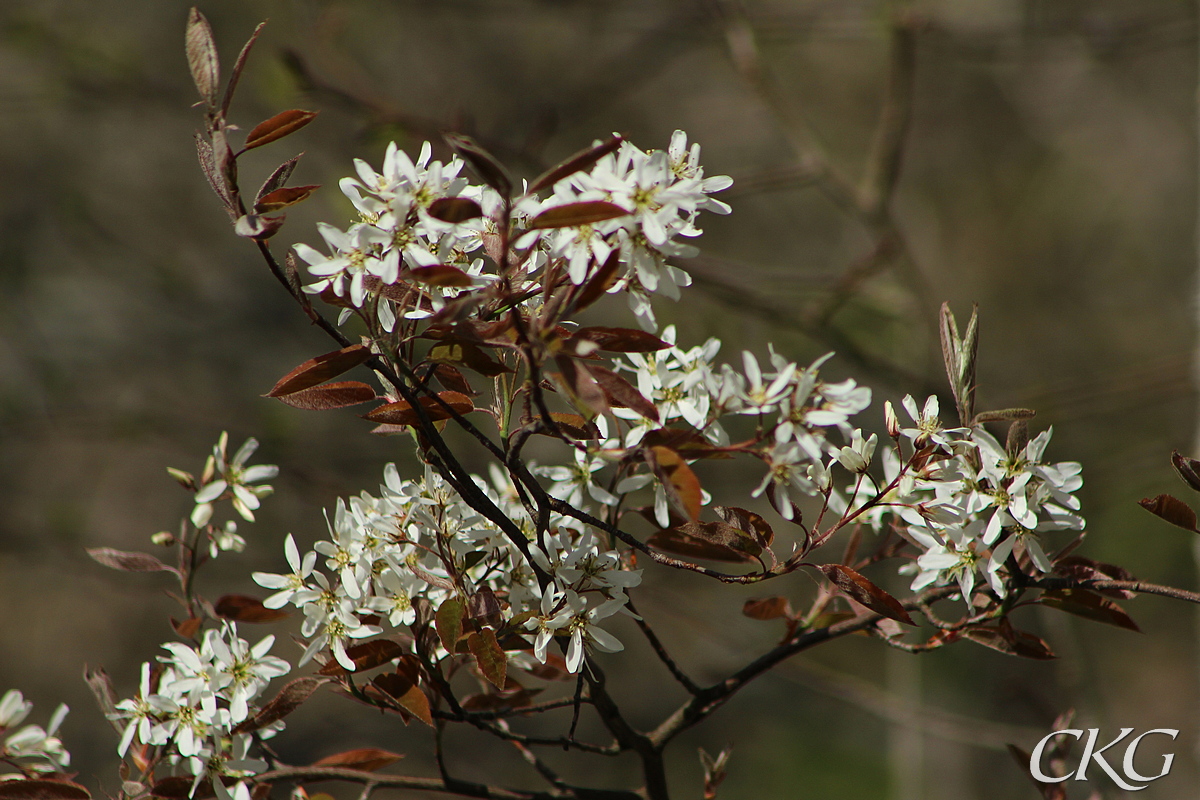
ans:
(767, 608)
(747, 521)
(187, 628)
(202, 57)
(575, 426)
(1006, 639)
(1188, 469)
(238, 66)
(1089, 605)
(467, 355)
(257, 226)
(451, 378)
(454, 209)
(678, 481)
(676, 541)
(179, 787)
(278, 126)
(621, 393)
(442, 275)
(579, 162)
(620, 340)
(330, 395)
(320, 369)
(282, 198)
(401, 413)
(491, 171)
(366, 759)
(366, 655)
(572, 214)
(860, 589)
(449, 621)
(278, 178)
(600, 282)
(403, 690)
(290, 697)
(578, 382)
(102, 689)
(484, 607)
(1085, 569)
(128, 561)
(208, 163)
(42, 789)
(243, 608)
(1171, 509)
(489, 656)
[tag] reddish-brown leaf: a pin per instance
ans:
(582, 160)
(622, 393)
(575, 426)
(484, 163)
(442, 275)
(401, 413)
(320, 369)
(128, 561)
(467, 355)
(620, 340)
(1171, 509)
(187, 628)
(42, 789)
(202, 57)
(236, 74)
(572, 214)
(366, 759)
(863, 591)
(402, 689)
(455, 209)
(489, 656)
(767, 608)
(290, 697)
(747, 521)
(1089, 605)
(676, 541)
(277, 178)
(599, 283)
(256, 226)
(242, 608)
(102, 688)
(1188, 469)
(451, 378)
(278, 126)
(680, 483)
(282, 198)
(367, 655)
(179, 787)
(578, 382)
(1006, 639)
(329, 396)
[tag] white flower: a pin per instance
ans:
(222, 474)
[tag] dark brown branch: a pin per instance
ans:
(661, 652)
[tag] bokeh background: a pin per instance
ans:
(1047, 172)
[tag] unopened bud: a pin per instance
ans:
(185, 479)
(163, 538)
(890, 421)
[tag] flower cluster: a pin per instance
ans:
(397, 241)
(194, 699)
(977, 505)
(420, 539)
(32, 748)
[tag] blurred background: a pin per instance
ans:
(1034, 156)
